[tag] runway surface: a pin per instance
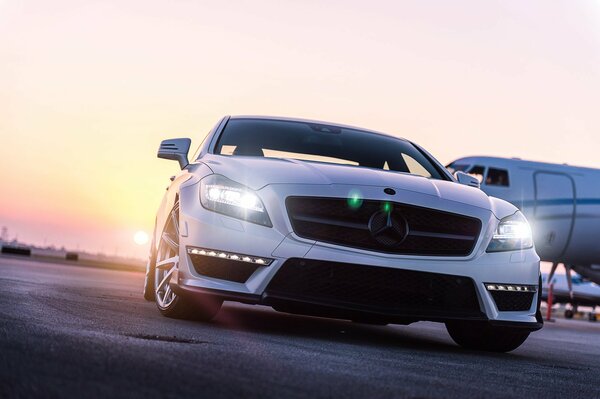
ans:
(69, 331)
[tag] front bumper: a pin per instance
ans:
(201, 228)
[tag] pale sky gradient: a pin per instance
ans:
(89, 88)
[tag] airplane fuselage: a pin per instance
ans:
(561, 202)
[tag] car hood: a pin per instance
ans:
(258, 172)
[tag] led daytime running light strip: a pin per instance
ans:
(231, 256)
(510, 287)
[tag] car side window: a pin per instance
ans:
(477, 172)
(497, 177)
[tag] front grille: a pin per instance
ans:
(375, 289)
(507, 301)
(223, 269)
(413, 230)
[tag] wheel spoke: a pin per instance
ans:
(167, 295)
(164, 264)
(170, 241)
(175, 222)
(165, 281)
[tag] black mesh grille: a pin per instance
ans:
(223, 269)
(512, 301)
(375, 289)
(429, 231)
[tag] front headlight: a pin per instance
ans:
(219, 194)
(513, 233)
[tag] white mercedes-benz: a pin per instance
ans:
(335, 221)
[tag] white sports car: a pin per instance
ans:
(335, 221)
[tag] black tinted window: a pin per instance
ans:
(322, 143)
(497, 177)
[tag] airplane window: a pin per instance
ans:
(497, 177)
(477, 172)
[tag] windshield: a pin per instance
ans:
(316, 142)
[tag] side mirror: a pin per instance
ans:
(175, 149)
(467, 180)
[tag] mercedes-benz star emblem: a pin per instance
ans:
(388, 228)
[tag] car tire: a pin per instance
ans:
(484, 337)
(569, 314)
(165, 265)
(149, 278)
(371, 320)
(199, 309)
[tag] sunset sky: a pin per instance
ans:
(88, 89)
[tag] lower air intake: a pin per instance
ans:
(382, 290)
(224, 269)
(507, 301)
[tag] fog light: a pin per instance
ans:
(231, 256)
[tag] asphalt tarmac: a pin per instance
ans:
(70, 331)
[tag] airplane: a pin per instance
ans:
(585, 293)
(561, 202)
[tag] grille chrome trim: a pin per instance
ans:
(332, 222)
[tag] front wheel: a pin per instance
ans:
(165, 265)
(482, 336)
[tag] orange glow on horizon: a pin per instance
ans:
(89, 89)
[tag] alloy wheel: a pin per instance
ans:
(167, 260)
